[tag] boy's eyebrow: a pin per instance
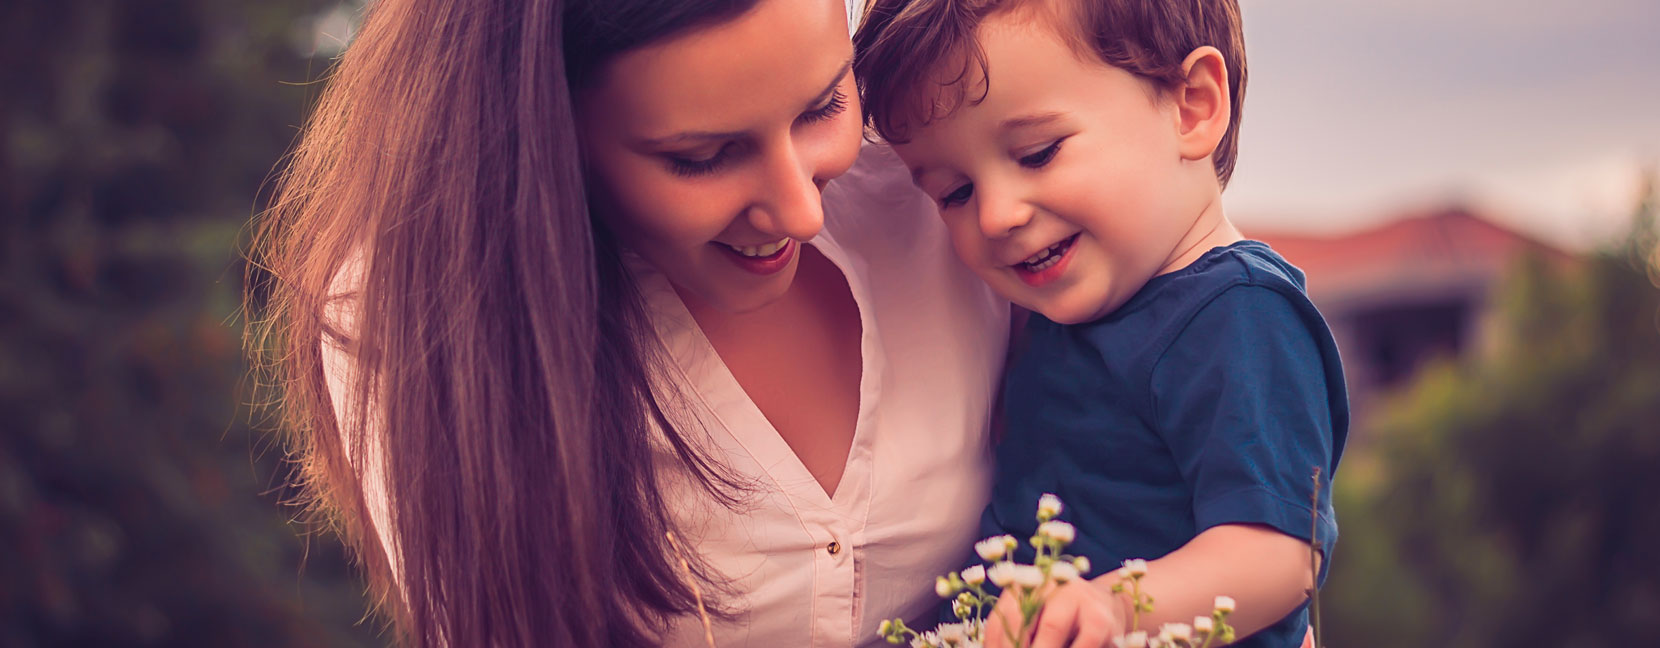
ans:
(1027, 121)
(706, 136)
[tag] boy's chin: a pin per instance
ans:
(1079, 304)
(1062, 311)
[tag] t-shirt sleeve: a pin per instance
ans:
(1242, 398)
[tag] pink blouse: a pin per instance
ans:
(811, 569)
(816, 570)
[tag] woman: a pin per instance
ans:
(584, 280)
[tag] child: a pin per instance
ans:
(1174, 385)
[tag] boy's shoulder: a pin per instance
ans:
(1243, 263)
(1168, 302)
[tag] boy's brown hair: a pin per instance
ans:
(902, 43)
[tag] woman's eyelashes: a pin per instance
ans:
(692, 166)
(831, 108)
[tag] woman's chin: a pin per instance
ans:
(735, 295)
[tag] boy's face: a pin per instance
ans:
(1064, 189)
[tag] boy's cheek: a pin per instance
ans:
(966, 240)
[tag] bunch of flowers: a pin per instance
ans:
(1031, 584)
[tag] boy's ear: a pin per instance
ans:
(1202, 103)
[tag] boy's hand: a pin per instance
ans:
(1079, 614)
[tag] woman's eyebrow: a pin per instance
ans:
(697, 137)
(690, 137)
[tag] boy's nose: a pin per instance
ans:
(999, 218)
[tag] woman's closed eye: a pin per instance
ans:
(691, 165)
(1043, 157)
(835, 105)
(957, 196)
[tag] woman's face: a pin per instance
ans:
(711, 147)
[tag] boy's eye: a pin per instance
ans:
(958, 196)
(1040, 158)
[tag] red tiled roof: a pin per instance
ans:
(1433, 250)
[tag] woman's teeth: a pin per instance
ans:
(763, 250)
(1046, 257)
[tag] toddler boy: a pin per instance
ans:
(1174, 384)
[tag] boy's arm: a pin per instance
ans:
(1266, 573)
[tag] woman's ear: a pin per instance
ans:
(1202, 103)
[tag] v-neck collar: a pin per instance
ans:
(706, 379)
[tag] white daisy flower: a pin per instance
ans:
(1058, 530)
(1049, 506)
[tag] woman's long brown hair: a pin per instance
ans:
(499, 349)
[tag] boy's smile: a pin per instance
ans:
(1072, 182)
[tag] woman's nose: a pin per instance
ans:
(791, 202)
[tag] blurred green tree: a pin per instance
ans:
(1511, 501)
(137, 507)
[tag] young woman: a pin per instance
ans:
(551, 283)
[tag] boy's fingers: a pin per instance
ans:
(1004, 615)
(1095, 628)
(1058, 619)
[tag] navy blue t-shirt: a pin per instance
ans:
(1208, 398)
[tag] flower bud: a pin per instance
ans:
(942, 587)
(1082, 564)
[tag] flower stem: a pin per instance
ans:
(1313, 560)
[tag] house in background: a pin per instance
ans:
(1416, 288)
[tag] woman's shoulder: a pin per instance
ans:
(879, 215)
(876, 199)
(901, 247)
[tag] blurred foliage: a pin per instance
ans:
(1511, 498)
(137, 507)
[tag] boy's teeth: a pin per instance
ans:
(1045, 257)
(763, 250)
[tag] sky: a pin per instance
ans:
(1541, 114)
